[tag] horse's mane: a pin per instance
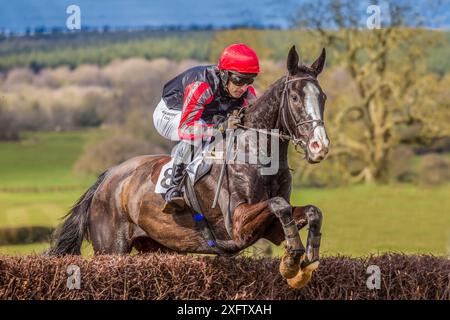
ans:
(268, 97)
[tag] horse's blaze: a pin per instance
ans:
(303, 277)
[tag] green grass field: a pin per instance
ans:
(42, 160)
(370, 219)
(358, 220)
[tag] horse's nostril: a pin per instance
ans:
(315, 145)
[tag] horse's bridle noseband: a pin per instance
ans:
(287, 108)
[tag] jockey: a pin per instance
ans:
(203, 96)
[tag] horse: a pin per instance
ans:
(121, 211)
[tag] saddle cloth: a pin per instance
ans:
(195, 170)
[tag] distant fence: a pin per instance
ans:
(170, 276)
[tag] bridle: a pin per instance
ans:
(285, 108)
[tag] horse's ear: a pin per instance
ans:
(317, 66)
(292, 61)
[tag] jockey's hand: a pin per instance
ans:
(223, 123)
(233, 121)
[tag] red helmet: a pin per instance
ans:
(239, 57)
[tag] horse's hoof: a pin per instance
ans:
(303, 276)
(288, 267)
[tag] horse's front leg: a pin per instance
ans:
(251, 222)
(308, 215)
(312, 216)
(290, 262)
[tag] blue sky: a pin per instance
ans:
(17, 15)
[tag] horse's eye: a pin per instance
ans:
(294, 98)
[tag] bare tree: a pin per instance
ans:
(8, 125)
(385, 65)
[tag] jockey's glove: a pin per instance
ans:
(233, 121)
(227, 123)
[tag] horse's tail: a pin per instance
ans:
(68, 238)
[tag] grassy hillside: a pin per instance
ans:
(358, 220)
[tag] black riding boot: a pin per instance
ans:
(174, 195)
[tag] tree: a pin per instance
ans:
(254, 38)
(8, 123)
(386, 67)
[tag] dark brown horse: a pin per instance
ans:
(121, 211)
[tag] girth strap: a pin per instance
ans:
(200, 220)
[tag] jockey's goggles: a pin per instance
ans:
(241, 79)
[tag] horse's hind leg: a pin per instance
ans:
(108, 234)
(313, 216)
